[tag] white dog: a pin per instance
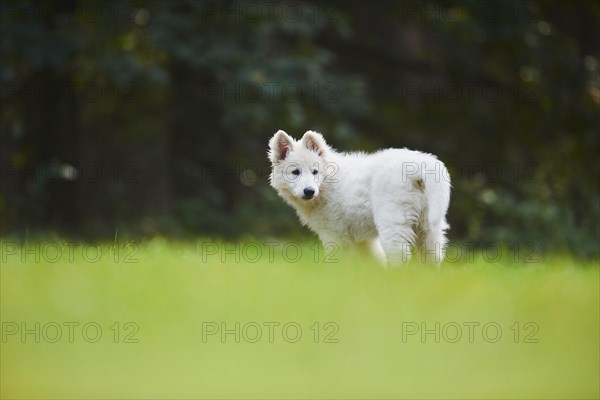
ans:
(393, 200)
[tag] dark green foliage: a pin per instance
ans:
(152, 117)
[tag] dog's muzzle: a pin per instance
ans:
(309, 193)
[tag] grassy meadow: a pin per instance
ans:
(283, 320)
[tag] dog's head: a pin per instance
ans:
(298, 166)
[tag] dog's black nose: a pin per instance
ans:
(308, 193)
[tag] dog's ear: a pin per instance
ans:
(314, 141)
(279, 146)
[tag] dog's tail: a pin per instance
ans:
(437, 195)
(437, 191)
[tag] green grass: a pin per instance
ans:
(175, 292)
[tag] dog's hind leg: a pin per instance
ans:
(376, 250)
(398, 208)
(397, 233)
(398, 243)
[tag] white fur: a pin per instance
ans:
(393, 200)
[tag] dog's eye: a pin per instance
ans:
(315, 172)
(296, 172)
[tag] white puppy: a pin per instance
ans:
(395, 199)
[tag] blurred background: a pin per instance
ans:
(151, 118)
